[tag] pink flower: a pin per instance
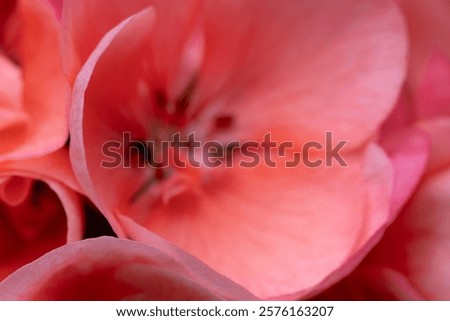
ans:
(110, 269)
(236, 70)
(38, 211)
(34, 93)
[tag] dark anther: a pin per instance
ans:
(159, 173)
(139, 152)
(159, 176)
(182, 103)
(160, 98)
(224, 122)
(140, 192)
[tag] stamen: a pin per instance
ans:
(182, 103)
(138, 153)
(141, 191)
(174, 112)
(224, 122)
(160, 98)
(159, 175)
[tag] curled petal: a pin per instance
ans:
(34, 120)
(38, 211)
(312, 67)
(112, 269)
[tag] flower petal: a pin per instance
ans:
(113, 269)
(312, 67)
(426, 250)
(372, 284)
(289, 239)
(409, 150)
(44, 103)
(48, 216)
(81, 36)
(429, 31)
(433, 96)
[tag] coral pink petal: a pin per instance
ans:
(44, 102)
(80, 151)
(12, 119)
(416, 244)
(48, 216)
(408, 150)
(380, 178)
(433, 96)
(439, 130)
(427, 222)
(58, 161)
(278, 211)
(15, 190)
(429, 31)
(401, 117)
(88, 105)
(82, 36)
(115, 269)
(73, 209)
(57, 6)
(312, 67)
(376, 283)
(11, 88)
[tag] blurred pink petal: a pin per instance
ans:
(85, 22)
(111, 269)
(38, 212)
(414, 248)
(438, 131)
(11, 115)
(14, 190)
(426, 223)
(433, 95)
(250, 209)
(56, 6)
(372, 284)
(429, 30)
(319, 67)
(409, 150)
(33, 95)
(416, 244)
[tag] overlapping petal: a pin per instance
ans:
(411, 259)
(39, 212)
(34, 95)
(115, 269)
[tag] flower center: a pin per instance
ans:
(171, 118)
